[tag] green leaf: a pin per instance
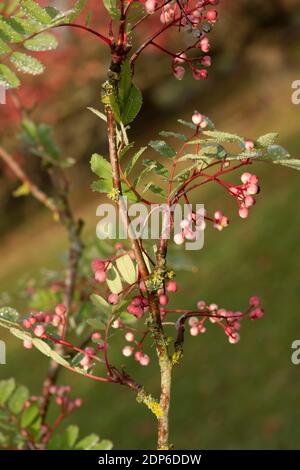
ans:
(176, 135)
(278, 152)
(125, 150)
(219, 137)
(113, 280)
(36, 12)
(191, 125)
(77, 359)
(163, 148)
(7, 32)
(267, 139)
(27, 64)
(101, 186)
(6, 389)
(101, 304)
(45, 138)
(125, 82)
(88, 442)
(20, 334)
(18, 398)
(213, 151)
(69, 437)
(111, 7)
(155, 189)
(41, 42)
(29, 415)
(42, 346)
(105, 444)
(134, 160)
(132, 106)
(55, 442)
(156, 167)
(59, 359)
(9, 313)
(8, 78)
(127, 269)
(291, 163)
(101, 167)
(4, 48)
(128, 102)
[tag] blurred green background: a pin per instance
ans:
(225, 396)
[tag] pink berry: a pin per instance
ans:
(206, 61)
(86, 362)
(180, 58)
(138, 312)
(96, 336)
(171, 286)
(178, 239)
(98, 265)
(163, 299)
(60, 310)
(196, 118)
(200, 74)
(249, 145)
(204, 124)
(127, 351)
(201, 304)
(144, 360)
(193, 321)
(117, 324)
(252, 189)
(27, 344)
(245, 178)
(204, 44)
(129, 336)
(212, 16)
(137, 301)
(142, 286)
(249, 201)
(78, 402)
(254, 301)
(59, 401)
(257, 313)
(100, 276)
(27, 323)
(243, 212)
(150, 6)
(194, 331)
(56, 320)
(90, 351)
(234, 338)
(39, 331)
(138, 355)
(213, 308)
(179, 72)
(113, 299)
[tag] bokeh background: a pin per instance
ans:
(244, 396)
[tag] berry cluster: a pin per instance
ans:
(61, 394)
(40, 320)
(135, 349)
(244, 193)
(138, 306)
(191, 227)
(196, 18)
(229, 320)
